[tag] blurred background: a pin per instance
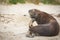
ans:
(30, 1)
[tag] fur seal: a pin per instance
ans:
(47, 24)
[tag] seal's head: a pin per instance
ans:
(33, 13)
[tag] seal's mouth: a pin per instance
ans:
(32, 16)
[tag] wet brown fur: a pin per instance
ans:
(47, 24)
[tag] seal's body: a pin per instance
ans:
(47, 24)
